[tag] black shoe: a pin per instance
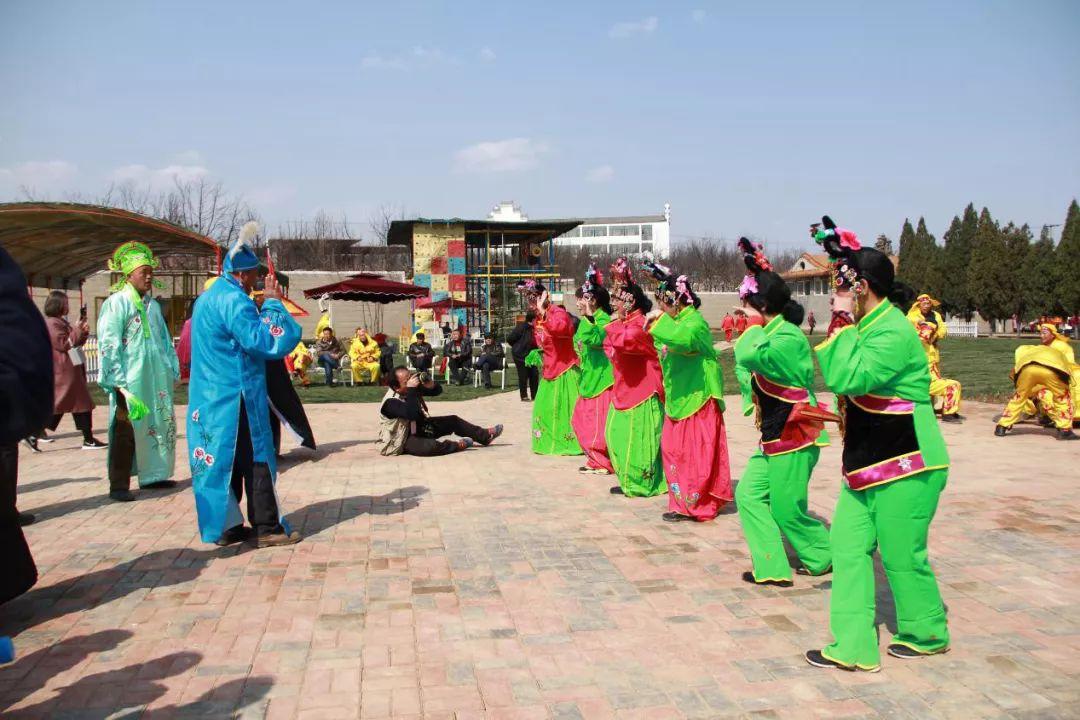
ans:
(277, 539)
(524, 399)
(749, 577)
(26, 519)
(1067, 435)
(235, 534)
(815, 658)
(616, 491)
(951, 418)
(905, 652)
(31, 442)
(43, 438)
(94, 444)
(802, 570)
(1000, 430)
(159, 485)
(121, 495)
(676, 517)
(488, 387)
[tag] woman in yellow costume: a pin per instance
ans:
(931, 328)
(1043, 375)
(364, 357)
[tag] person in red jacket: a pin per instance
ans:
(728, 326)
(741, 322)
(553, 407)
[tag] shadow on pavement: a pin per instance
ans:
(56, 482)
(85, 592)
(315, 518)
(46, 512)
(30, 672)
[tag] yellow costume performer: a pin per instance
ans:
(364, 358)
(301, 360)
(1061, 344)
(944, 392)
(1042, 375)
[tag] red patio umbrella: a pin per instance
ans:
(446, 303)
(367, 287)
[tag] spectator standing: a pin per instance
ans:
(421, 354)
(26, 402)
(328, 351)
(492, 357)
(811, 322)
(69, 380)
(459, 356)
(523, 341)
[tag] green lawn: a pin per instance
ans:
(981, 365)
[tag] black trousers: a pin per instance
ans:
(428, 431)
(83, 423)
(121, 447)
(422, 363)
(485, 365)
(459, 369)
(254, 479)
(528, 379)
(19, 573)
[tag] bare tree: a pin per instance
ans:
(380, 220)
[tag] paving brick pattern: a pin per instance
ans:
(496, 584)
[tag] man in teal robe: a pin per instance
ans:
(137, 372)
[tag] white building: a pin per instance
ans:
(628, 235)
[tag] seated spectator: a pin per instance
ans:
(386, 356)
(328, 351)
(458, 354)
(491, 358)
(405, 427)
(364, 357)
(421, 354)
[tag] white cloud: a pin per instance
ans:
(37, 176)
(419, 56)
(698, 15)
(487, 54)
(189, 157)
(512, 155)
(600, 174)
(268, 195)
(637, 27)
(375, 61)
(161, 177)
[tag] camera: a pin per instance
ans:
(424, 376)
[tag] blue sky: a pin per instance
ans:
(749, 118)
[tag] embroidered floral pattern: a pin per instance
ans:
(277, 330)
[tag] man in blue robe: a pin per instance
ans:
(230, 444)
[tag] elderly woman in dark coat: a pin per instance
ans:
(69, 380)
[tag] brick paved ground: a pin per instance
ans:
(497, 584)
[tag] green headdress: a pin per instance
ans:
(129, 257)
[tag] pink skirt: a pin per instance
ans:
(695, 455)
(589, 421)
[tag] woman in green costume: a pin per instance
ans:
(591, 411)
(895, 464)
(776, 373)
(558, 392)
(636, 417)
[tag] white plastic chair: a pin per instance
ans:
(477, 374)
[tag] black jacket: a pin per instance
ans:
(412, 407)
(522, 341)
(26, 366)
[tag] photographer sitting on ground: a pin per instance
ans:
(406, 428)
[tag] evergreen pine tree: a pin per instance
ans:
(988, 275)
(909, 268)
(1067, 272)
(957, 263)
(884, 244)
(941, 265)
(1038, 276)
(1017, 247)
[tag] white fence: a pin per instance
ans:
(958, 327)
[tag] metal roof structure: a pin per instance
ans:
(626, 220)
(60, 244)
(476, 231)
